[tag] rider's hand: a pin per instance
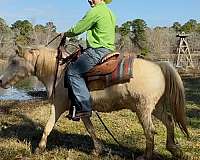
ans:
(63, 36)
(63, 39)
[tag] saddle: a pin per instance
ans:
(113, 69)
(106, 66)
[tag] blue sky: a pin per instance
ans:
(64, 13)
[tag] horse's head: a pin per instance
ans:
(20, 65)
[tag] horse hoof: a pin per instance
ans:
(39, 150)
(96, 153)
(154, 157)
(175, 151)
(184, 157)
(141, 158)
(99, 151)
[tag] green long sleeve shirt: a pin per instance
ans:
(99, 22)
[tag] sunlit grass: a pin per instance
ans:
(22, 123)
(22, 126)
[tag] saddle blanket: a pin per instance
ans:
(122, 73)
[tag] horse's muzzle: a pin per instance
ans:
(1, 82)
(4, 86)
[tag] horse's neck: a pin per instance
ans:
(48, 81)
(47, 76)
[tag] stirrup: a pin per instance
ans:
(73, 115)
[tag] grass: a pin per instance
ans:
(22, 123)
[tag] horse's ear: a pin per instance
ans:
(19, 50)
(34, 51)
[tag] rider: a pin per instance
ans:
(99, 22)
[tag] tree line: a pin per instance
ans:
(132, 36)
(136, 36)
(23, 32)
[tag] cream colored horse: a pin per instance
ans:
(155, 89)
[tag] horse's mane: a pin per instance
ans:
(45, 63)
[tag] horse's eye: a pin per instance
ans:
(14, 62)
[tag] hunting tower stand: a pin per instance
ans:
(184, 59)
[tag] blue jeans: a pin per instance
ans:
(74, 78)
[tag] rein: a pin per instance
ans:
(53, 40)
(59, 58)
(57, 63)
(106, 128)
(61, 61)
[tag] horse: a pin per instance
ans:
(155, 89)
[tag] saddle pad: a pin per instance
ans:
(121, 74)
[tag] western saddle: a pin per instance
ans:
(106, 65)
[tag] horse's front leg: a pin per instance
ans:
(48, 128)
(90, 128)
(56, 110)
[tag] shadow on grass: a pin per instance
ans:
(5, 108)
(194, 114)
(31, 132)
(192, 89)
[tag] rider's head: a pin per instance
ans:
(94, 2)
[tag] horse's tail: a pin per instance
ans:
(175, 95)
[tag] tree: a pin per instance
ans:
(6, 39)
(190, 26)
(24, 27)
(122, 36)
(2, 23)
(198, 28)
(161, 40)
(39, 28)
(50, 31)
(50, 26)
(4, 28)
(176, 26)
(42, 34)
(138, 27)
(23, 30)
(125, 28)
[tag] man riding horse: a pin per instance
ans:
(99, 22)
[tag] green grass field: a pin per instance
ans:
(22, 123)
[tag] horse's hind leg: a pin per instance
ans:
(167, 119)
(144, 115)
(90, 128)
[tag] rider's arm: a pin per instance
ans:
(84, 24)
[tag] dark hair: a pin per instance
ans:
(90, 2)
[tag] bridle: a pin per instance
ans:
(60, 60)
